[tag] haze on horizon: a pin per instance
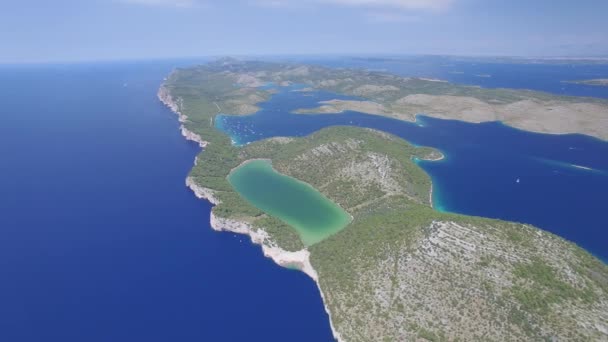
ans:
(35, 31)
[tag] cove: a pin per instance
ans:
(482, 163)
(310, 213)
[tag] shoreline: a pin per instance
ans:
(527, 115)
(165, 97)
(431, 188)
(247, 162)
(299, 259)
(441, 157)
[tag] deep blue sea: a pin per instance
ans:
(101, 241)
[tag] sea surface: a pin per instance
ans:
(314, 216)
(101, 241)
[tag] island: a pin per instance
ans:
(602, 82)
(389, 266)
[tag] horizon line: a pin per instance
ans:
(284, 55)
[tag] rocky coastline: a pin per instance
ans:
(175, 104)
(299, 259)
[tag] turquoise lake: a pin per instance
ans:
(312, 215)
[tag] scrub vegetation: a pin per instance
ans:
(400, 270)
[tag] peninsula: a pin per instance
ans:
(399, 270)
(602, 82)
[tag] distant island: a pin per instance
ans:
(403, 98)
(603, 82)
(398, 269)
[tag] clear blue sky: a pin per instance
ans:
(71, 30)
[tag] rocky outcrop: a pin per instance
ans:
(189, 135)
(201, 192)
(175, 105)
(298, 259)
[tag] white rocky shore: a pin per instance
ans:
(299, 259)
(201, 192)
(175, 104)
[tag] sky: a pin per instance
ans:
(34, 31)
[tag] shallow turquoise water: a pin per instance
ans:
(312, 215)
